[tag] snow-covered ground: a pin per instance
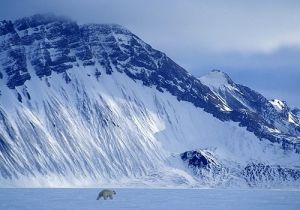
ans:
(181, 199)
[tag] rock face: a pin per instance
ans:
(56, 45)
(204, 165)
(61, 82)
(198, 160)
(14, 61)
(207, 166)
(259, 174)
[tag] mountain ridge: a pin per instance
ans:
(111, 51)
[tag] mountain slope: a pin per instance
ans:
(251, 109)
(95, 104)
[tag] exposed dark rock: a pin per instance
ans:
(259, 173)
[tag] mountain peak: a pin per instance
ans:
(216, 79)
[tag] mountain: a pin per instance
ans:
(94, 104)
(272, 120)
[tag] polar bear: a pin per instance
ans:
(106, 193)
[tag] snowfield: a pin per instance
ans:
(93, 136)
(148, 199)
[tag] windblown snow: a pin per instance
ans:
(114, 130)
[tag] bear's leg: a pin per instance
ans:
(110, 196)
(105, 197)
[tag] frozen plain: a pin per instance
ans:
(148, 199)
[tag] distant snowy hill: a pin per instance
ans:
(272, 120)
(94, 104)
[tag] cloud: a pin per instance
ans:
(175, 25)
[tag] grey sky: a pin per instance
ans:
(256, 42)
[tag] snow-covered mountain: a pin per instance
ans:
(94, 104)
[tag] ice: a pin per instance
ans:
(148, 199)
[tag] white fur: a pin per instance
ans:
(106, 193)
